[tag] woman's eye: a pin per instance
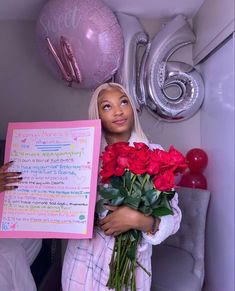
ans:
(106, 107)
(124, 102)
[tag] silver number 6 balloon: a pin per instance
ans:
(171, 91)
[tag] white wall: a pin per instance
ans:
(183, 135)
(217, 138)
(30, 93)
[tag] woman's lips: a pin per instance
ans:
(120, 121)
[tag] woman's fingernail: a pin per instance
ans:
(20, 178)
(11, 162)
(18, 173)
(15, 187)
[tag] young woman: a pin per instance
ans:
(86, 262)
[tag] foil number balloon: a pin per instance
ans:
(134, 39)
(171, 91)
(80, 41)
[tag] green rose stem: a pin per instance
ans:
(117, 279)
(144, 181)
(123, 262)
(122, 266)
(132, 183)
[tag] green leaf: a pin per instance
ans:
(148, 186)
(161, 211)
(169, 194)
(99, 208)
(146, 210)
(136, 190)
(137, 184)
(117, 201)
(131, 253)
(128, 179)
(123, 191)
(152, 196)
(125, 236)
(109, 193)
(165, 202)
(140, 178)
(144, 181)
(116, 182)
(145, 201)
(132, 175)
(158, 193)
(133, 202)
(135, 234)
(157, 203)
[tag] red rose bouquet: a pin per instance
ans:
(142, 179)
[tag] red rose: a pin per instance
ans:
(172, 160)
(139, 158)
(140, 145)
(178, 160)
(153, 167)
(108, 155)
(119, 171)
(115, 160)
(121, 147)
(123, 161)
(107, 171)
(161, 157)
(164, 181)
(176, 156)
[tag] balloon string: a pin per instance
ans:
(66, 63)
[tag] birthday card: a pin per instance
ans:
(57, 195)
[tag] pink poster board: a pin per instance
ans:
(59, 165)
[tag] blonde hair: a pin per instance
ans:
(93, 111)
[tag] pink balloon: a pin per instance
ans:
(80, 41)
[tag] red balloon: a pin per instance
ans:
(193, 180)
(197, 160)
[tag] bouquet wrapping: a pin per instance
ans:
(143, 179)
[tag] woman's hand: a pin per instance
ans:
(124, 218)
(7, 178)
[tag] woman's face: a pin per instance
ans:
(115, 112)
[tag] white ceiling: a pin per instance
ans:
(154, 9)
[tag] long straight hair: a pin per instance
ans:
(93, 111)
